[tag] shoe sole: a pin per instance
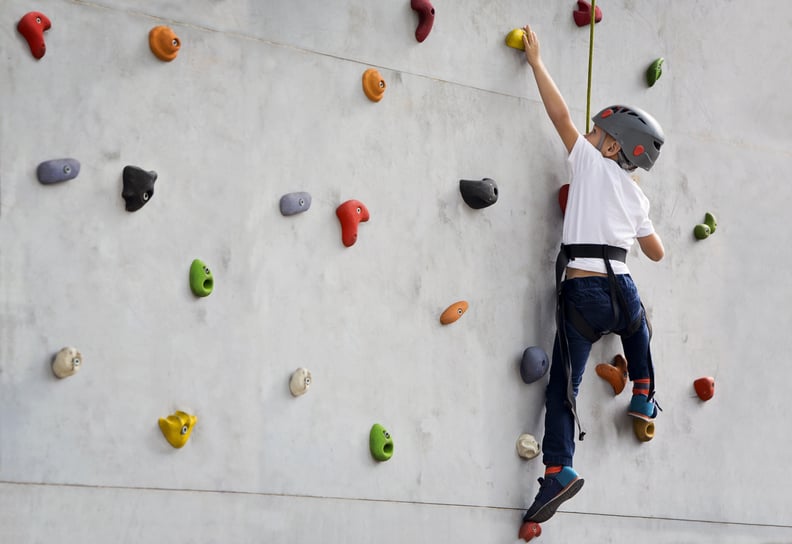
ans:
(639, 415)
(548, 510)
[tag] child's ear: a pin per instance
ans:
(613, 149)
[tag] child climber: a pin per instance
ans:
(606, 212)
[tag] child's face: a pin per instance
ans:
(604, 142)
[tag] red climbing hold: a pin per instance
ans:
(32, 26)
(351, 213)
(705, 387)
(582, 15)
(426, 15)
(529, 530)
(563, 196)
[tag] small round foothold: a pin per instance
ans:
(701, 231)
(57, 171)
(177, 428)
(453, 312)
(705, 387)
(527, 446)
(654, 71)
(294, 203)
(380, 443)
(534, 364)
(373, 85)
(164, 43)
(644, 430)
(478, 193)
(514, 39)
(529, 530)
(67, 362)
(201, 279)
(300, 381)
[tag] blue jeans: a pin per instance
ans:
(591, 296)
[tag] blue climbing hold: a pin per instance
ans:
(294, 203)
(57, 170)
(534, 364)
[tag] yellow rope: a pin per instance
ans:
(590, 61)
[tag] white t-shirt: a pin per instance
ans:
(605, 206)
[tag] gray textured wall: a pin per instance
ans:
(265, 99)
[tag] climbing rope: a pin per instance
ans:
(590, 61)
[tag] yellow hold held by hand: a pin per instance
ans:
(515, 39)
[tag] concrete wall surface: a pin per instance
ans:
(265, 99)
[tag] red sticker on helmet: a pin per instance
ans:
(639, 149)
(605, 114)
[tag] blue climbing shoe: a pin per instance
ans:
(553, 490)
(642, 408)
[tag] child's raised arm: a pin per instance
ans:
(554, 103)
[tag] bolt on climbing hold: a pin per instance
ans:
(654, 71)
(164, 43)
(177, 428)
(582, 15)
(615, 373)
(527, 446)
(563, 197)
(380, 443)
(32, 26)
(300, 381)
(529, 530)
(67, 362)
(138, 187)
(350, 214)
(294, 203)
(534, 364)
(373, 85)
(705, 387)
(57, 170)
(426, 15)
(478, 193)
(453, 312)
(644, 430)
(703, 230)
(201, 279)
(514, 39)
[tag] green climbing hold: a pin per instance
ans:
(654, 71)
(201, 279)
(701, 231)
(380, 442)
(710, 221)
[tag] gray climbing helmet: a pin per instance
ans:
(638, 133)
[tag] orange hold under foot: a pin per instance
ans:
(529, 530)
(351, 213)
(614, 373)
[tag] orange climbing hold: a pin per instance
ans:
(373, 85)
(453, 312)
(614, 373)
(164, 43)
(351, 213)
(529, 530)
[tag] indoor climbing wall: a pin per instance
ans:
(229, 230)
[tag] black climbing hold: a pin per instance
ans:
(138, 187)
(479, 193)
(293, 203)
(534, 364)
(57, 170)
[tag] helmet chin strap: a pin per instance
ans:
(601, 141)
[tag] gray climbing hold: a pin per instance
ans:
(293, 203)
(534, 364)
(138, 187)
(478, 193)
(57, 170)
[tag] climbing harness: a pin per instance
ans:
(566, 311)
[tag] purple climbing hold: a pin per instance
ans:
(293, 203)
(534, 364)
(57, 170)
(138, 187)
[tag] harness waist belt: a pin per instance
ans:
(594, 251)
